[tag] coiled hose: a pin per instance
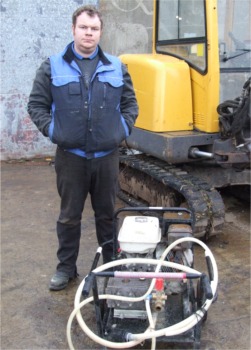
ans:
(150, 333)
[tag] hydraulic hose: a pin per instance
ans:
(150, 333)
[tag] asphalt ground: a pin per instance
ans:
(32, 317)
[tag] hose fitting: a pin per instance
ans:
(159, 296)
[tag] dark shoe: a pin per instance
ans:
(59, 281)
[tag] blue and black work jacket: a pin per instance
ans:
(93, 120)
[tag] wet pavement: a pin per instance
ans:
(35, 318)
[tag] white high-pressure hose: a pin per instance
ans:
(135, 339)
(76, 312)
(152, 321)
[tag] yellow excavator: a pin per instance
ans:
(187, 144)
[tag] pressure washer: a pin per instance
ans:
(150, 291)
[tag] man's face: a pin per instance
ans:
(86, 33)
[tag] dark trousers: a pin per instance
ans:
(76, 178)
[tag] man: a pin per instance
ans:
(83, 100)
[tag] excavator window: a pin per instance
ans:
(181, 31)
(234, 35)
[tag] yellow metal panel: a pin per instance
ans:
(205, 88)
(163, 89)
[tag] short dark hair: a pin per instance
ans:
(90, 10)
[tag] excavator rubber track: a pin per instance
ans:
(146, 179)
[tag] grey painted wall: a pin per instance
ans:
(32, 30)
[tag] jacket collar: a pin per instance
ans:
(68, 55)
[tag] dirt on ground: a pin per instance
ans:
(32, 317)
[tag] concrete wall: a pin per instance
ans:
(32, 30)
